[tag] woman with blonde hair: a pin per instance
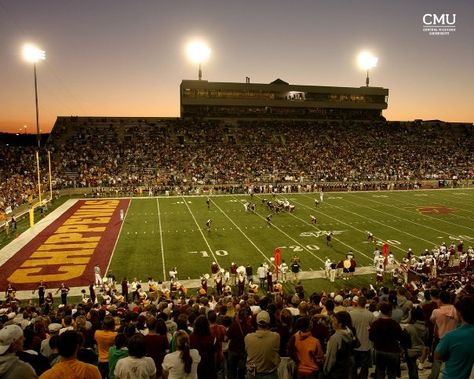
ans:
(183, 363)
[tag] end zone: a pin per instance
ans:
(67, 249)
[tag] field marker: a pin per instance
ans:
(336, 239)
(340, 221)
(410, 220)
(161, 238)
(241, 231)
(202, 234)
(381, 223)
(421, 219)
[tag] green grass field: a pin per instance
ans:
(159, 233)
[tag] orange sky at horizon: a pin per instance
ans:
(118, 58)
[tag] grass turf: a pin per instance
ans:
(160, 233)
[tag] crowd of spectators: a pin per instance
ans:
(179, 155)
(208, 335)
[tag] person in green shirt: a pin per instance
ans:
(457, 346)
(116, 352)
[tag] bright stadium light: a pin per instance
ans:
(198, 52)
(367, 61)
(32, 54)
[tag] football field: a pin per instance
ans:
(160, 233)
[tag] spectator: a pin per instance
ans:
(11, 367)
(262, 349)
(156, 342)
(116, 352)
(339, 352)
(136, 365)
(457, 346)
(183, 363)
(105, 338)
(362, 318)
(202, 340)
(306, 351)
(386, 334)
(418, 333)
(69, 366)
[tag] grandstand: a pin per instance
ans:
(280, 100)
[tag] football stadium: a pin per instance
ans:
(299, 212)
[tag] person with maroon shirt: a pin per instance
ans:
(240, 327)
(220, 334)
(202, 340)
(386, 334)
(156, 342)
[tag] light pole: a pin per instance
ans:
(33, 55)
(198, 52)
(367, 61)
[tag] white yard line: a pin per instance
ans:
(336, 239)
(118, 236)
(24, 238)
(399, 218)
(241, 231)
(291, 238)
(349, 225)
(416, 213)
(200, 231)
(378, 222)
(161, 239)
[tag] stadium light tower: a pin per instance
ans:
(198, 52)
(367, 61)
(32, 54)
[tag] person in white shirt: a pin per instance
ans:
(183, 363)
(136, 365)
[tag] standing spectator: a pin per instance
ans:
(202, 340)
(305, 350)
(68, 345)
(156, 342)
(237, 356)
(262, 348)
(116, 352)
(444, 319)
(183, 363)
(28, 353)
(362, 318)
(136, 365)
(418, 333)
(105, 338)
(11, 367)
(457, 346)
(340, 346)
(220, 334)
(386, 334)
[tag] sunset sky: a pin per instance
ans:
(126, 58)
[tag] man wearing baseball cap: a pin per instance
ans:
(262, 350)
(11, 367)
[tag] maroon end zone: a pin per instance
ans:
(68, 249)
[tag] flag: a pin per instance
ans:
(277, 256)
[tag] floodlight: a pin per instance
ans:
(198, 52)
(367, 61)
(32, 54)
